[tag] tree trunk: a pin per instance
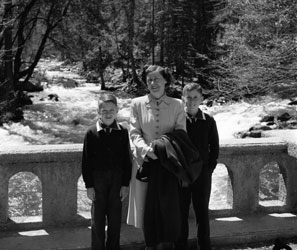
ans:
(7, 85)
(130, 16)
(21, 40)
(162, 34)
(153, 31)
(101, 70)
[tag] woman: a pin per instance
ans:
(152, 115)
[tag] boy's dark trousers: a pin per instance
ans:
(106, 209)
(199, 192)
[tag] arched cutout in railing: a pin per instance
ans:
(83, 202)
(25, 198)
(272, 188)
(221, 192)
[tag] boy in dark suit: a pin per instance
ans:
(203, 133)
(106, 171)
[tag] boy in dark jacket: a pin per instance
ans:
(203, 133)
(106, 171)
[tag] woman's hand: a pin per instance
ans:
(91, 193)
(124, 192)
(150, 153)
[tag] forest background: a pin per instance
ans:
(235, 48)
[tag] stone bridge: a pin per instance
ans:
(58, 169)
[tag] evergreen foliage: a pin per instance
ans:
(234, 48)
(257, 50)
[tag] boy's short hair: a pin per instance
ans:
(107, 98)
(191, 87)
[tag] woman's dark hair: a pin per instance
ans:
(164, 72)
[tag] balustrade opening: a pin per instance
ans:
(221, 192)
(272, 188)
(25, 198)
(83, 202)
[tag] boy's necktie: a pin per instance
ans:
(108, 130)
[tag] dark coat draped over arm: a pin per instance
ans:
(178, 164)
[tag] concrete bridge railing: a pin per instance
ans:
(58, 169)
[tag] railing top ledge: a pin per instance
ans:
(41, 153)
(254, 145)
(67, 151)
(41, 148)
(253, 141)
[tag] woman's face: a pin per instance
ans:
(156, 84)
